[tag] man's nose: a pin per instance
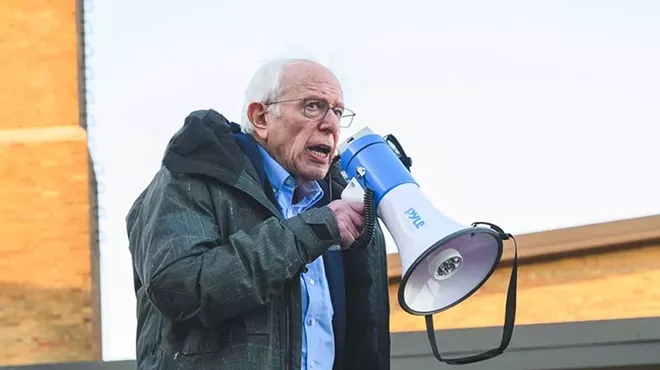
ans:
(330, 123)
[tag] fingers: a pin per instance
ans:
(355, 212)
(357, 207)
(352, 232)
(354, 224)
(350, 219)
(357, 220)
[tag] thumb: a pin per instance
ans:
(356, 206)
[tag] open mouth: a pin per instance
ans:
(321, 151)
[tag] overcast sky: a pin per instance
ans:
(534, 115)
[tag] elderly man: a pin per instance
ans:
(232, 241)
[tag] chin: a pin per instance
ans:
(315, 175)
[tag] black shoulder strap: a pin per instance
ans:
(509, 319)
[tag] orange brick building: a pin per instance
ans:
(48, 306)
(49, 309)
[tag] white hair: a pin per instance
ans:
(265, 85)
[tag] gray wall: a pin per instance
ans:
(583, 345)
(604, 345)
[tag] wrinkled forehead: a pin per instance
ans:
(306, 80)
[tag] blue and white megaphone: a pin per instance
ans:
(443, 262)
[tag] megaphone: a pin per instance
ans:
(443, 262)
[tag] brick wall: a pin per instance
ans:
(38, 60)
(602, 286)
(46, 298)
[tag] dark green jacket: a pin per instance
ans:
(216, 266)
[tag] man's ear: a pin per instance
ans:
(257, 115)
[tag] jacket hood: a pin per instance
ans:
(208, 144)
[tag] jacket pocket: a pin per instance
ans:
(229, 334)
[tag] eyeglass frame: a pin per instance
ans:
(303, 108)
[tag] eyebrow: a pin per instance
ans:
(317, 97)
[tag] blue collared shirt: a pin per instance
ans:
(318, 346)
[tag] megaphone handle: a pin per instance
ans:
(509, 322)
(356, 191)
(407, 161)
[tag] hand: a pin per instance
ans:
(350, 218)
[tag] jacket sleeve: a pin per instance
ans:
(189, 274)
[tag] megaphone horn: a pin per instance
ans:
(443, 262)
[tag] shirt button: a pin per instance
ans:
(312, 322)
(311, 364)
(311, 281)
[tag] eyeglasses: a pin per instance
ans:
(317, 109)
